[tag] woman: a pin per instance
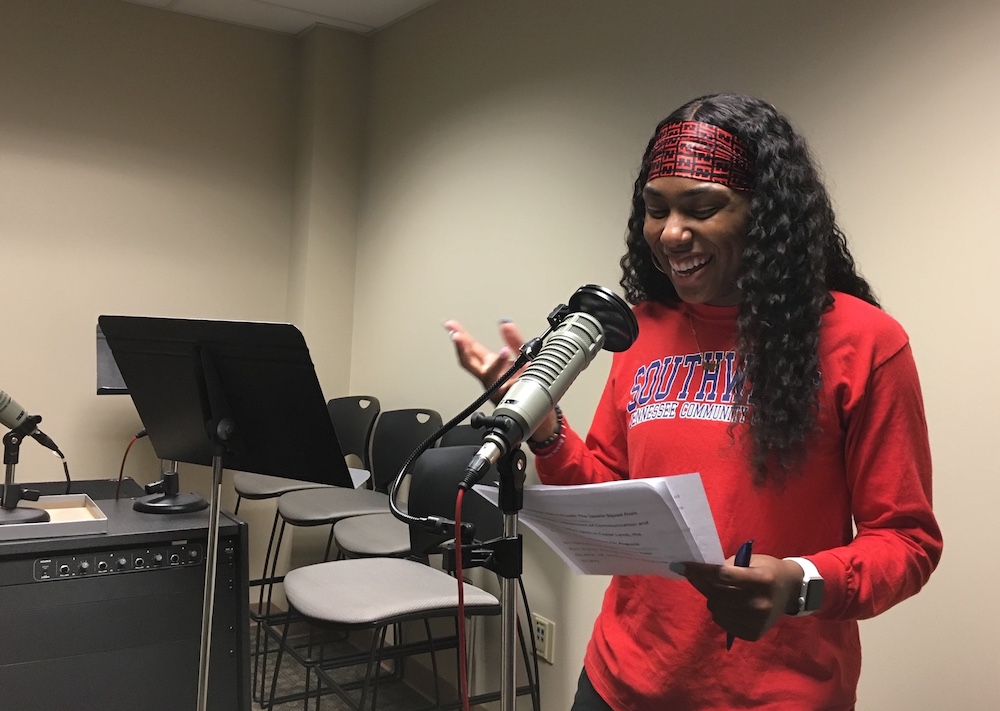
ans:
(764, 363)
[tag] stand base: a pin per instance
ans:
(23, 515)
(170, 503)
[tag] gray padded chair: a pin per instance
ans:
(378, 593)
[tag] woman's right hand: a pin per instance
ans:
(482, 363)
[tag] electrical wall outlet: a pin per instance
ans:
(545, 637)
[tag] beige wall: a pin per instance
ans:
(158, 164)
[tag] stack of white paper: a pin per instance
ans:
(629, 527)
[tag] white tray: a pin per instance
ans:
(71, 515)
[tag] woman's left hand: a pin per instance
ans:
(746, 602)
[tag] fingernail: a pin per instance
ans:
(504, 352)
(677, 568)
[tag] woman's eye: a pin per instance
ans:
(656, 213)
(704, 213)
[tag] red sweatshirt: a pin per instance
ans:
(654, 645)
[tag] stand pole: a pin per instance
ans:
(10, 457)
(511, 468)
(508, 627)
(211, 563)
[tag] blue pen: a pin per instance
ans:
(742, 560)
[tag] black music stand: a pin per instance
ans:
(227, 394)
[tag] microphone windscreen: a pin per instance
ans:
(612, 312)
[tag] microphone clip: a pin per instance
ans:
(481, 421)
(499, 555)
(28, 426)
(12, 440)
(532, 347)
(558, 315)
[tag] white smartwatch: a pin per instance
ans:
(811, 592)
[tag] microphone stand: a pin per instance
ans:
(12, 494)
(504, 556)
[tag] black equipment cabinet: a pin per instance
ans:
(112, 621)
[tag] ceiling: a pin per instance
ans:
(294, 16)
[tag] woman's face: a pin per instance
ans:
(696, 231)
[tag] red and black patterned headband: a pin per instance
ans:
(692, 149)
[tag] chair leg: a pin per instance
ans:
(397, 662)
(329, 544)
(277, 666)
(374, 668)
(434, 665)
(322, 659)
(261, 655)
(309, 668)
(261, 614)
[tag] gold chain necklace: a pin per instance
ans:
(709, 361)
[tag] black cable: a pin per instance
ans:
(69, 482)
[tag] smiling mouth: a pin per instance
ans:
(688, 265)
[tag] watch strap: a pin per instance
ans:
(811, 591)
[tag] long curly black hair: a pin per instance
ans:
(795, 256)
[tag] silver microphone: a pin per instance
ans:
(598, 319)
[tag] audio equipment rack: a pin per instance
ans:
(112, 621)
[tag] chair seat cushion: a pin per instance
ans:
(376, 534)
(260, 486)
(376, 591)
(315, 507)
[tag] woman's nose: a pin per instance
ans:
(675, 234)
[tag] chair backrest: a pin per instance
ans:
(353, 417)
(396, 435)
(434, 480)
(461, 434)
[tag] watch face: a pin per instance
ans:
(814, 595)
